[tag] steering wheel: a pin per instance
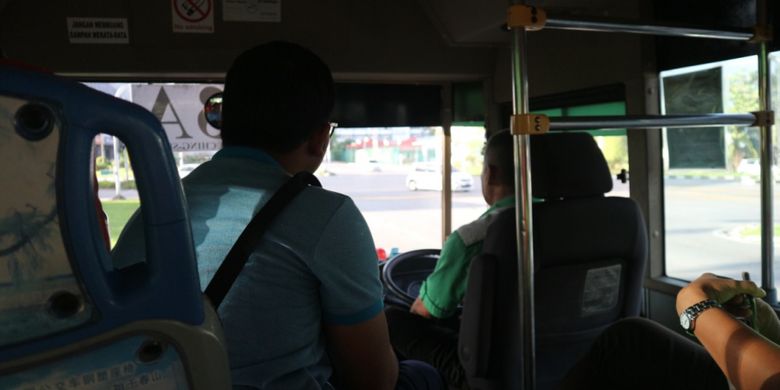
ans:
(403, 275)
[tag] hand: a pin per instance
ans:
(419, 308)
(766, 319)
(767, 322)
(723, 290)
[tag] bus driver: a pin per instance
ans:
(419, 334)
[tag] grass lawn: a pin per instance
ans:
(119, 211)
(755, 231)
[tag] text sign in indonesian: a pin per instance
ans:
(98, 30)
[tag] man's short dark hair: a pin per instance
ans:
(276, 94)
(499, 151)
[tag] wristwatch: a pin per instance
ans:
(689, 315)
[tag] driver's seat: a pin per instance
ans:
(590, 253)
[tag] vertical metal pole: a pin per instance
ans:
(126, 163)
(446, 180)
(523, 209)
(117, 180)
(767, 164)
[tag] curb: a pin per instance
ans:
(703, 177)
(732, 234)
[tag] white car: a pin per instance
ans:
(428, 177)
(749, 166)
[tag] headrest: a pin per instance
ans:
(568, 165)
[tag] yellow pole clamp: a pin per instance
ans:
(762, 34)
(764, 118)
(530, 124)
(531, 18)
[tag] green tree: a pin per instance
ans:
(743, 94)
(338, 149)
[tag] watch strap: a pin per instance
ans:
(696, 309)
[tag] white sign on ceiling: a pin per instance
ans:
(252, 11)
(98, 30)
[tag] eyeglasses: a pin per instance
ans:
(333, 126)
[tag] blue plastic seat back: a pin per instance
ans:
(67, 315)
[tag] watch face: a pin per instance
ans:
(685, 321)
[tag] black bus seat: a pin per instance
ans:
(68, 318)
(589, 256)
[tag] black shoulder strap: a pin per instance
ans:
(234, 261)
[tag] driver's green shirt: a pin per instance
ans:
(443, 290)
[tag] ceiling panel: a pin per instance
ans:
(479, 22)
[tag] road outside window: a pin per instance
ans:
(394, 177)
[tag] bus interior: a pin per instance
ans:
(678, 97)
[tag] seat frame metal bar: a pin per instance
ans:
(767, 163)
(672, 31)
(523, 207)
(650, 121)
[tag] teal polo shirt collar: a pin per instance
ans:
(248, 153)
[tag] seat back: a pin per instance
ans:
(68, 317)
(589, 256)
(489, 340)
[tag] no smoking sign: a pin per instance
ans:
(193, 16)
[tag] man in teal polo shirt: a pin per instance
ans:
(306, 310)
(441, 293)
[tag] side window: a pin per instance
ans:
(711, 174)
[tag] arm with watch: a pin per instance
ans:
(708, 308)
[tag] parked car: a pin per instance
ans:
(428, 177)
(374, 166)
(749, 166)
